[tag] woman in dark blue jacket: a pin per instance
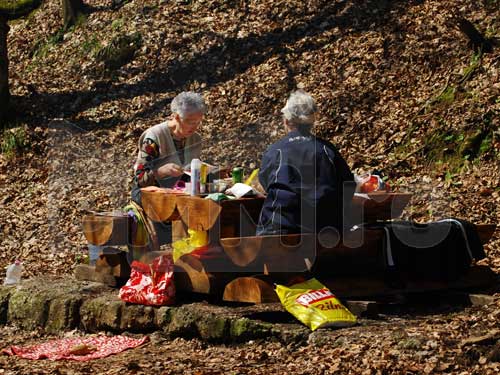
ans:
(308, 183)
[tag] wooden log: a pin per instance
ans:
(84, 272)
(239, 217)
(113, 264)
(106, 228)
(359, 252)
(255, 289)
(229, 218)
(378, 206)
(159, 206)
(375, 286)
(198, 213)
(207, 276)
(481, 299)
(179, 230)
(278, 253)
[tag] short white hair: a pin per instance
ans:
(300, 108)
(188, 102)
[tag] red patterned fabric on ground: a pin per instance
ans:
(92, 347)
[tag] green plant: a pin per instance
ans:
(91, 46)
(13, 141)
(475, 62)
(486, 144)
(447, 96)
(119, 51)
(117, 24)
(80, 20)
(41, 48)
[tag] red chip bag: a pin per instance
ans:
(150, 284)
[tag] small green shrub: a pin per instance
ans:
(13, 141)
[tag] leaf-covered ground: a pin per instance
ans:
(421, 341)
(388, 77)
(398, 87)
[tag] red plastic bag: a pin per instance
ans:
(369, 183)
(150, 284)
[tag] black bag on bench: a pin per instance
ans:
(437, 251)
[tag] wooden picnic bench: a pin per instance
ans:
(241, 266)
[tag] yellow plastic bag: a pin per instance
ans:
(314, 305)
(196, 239)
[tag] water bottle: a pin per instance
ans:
(195, 176)
(14, 272)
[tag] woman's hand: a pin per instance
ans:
(169, 169)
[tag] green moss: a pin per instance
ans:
(102, 313)
(183, 322)
(245, 329)
(410, 344)
(12, 9)
(137, 318)
(91, 46)
(163, 317)
(5, 292)
(117, 24)
(447, 96)
(64, 314)
(28, 309)
(213, 328)
(41, 48)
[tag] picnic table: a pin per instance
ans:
(240, 266)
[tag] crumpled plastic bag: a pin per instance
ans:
(314, 305)
(196, 239)
(369, 183)
(150, 284)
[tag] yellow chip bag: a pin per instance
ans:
(314, 305)
(196, 239)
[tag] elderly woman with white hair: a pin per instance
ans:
(307, 181)
(163, 151)
(165, 148)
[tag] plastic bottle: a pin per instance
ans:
(14, 272)
(195, 176)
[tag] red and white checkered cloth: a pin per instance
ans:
(61, 349)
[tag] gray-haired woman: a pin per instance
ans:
(163, 151)
(165, 148)
(306, 179)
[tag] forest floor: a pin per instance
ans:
(399, 90)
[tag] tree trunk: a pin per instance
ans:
(4, 68)
(71, 9)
